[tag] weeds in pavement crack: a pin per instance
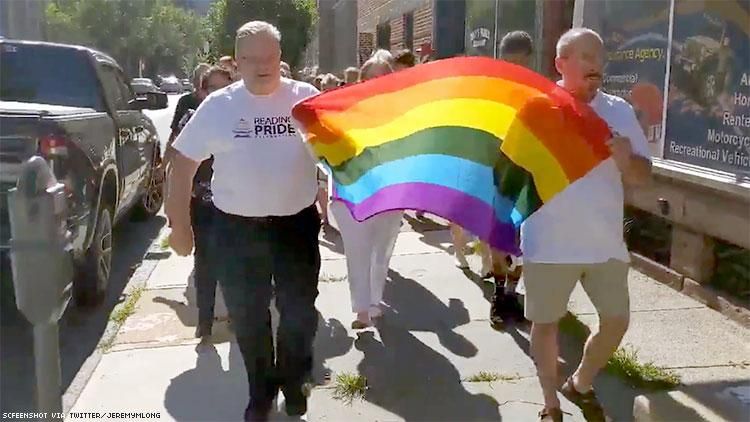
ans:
(488, 376)
(330, 278)
(349, 386)
(624, 362)
(120, 314)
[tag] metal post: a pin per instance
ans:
(47, 366)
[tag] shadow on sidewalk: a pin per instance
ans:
(208, 392)
(331, 340)
(330, 239)
(427, 228)
(414, 308)
(410, 379)
(424, 224)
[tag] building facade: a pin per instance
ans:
(487, 21)
(430, 28)
(22, 19)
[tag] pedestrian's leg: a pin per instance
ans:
(357, 238)
(205, 279)
(485, 252)
(296, 268)
(245, 276)
(607, 287)
(385, 228)
(548, 287)
(323, 202)
(459, 246)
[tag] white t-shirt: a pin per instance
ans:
(583, 224)
(261, 165)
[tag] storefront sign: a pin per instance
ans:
(708, 113)
(636, 36)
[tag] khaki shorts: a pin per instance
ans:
(548, 288)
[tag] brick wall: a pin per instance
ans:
(397, 33)
(422, 26)
(370, 13)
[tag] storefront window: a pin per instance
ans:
(708, 111)
(480, 27)
(635, 34)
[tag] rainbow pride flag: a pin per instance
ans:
(480, 142)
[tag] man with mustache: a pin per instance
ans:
(578, 235)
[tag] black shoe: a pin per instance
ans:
(513, 306)
(497, 312)
(295, 402)
(255, 415)
(203, 330)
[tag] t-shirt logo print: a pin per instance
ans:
(273, 127)
(242, 129)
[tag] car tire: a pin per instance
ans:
(151, 201)
(92, 278)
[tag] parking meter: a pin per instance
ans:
(42, 267)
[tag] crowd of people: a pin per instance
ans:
(248, 223)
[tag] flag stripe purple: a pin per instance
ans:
(476, 216)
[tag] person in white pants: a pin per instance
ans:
(368, 244)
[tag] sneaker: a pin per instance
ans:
(587, 402)
(551, 415)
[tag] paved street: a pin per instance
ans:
(80, 330)
(163, 118)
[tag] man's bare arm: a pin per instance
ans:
(637, 172)
(180, 182)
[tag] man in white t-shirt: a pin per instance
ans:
(578, 235)
(266, 226)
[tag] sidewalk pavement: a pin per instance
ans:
(435, 337)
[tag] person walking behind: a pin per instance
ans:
(286, 71)
(403, 59)
(351, 75)
(189, 101)
(228, 63)
(265, 225)
(515, 47)
(201, 217)
(578, 236)
(368, 244)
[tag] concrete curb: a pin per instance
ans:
(718, 301)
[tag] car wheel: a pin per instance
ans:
(93, 276)
(153, 198)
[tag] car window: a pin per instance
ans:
(48, 75)
(112, 80)
(125, 90)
